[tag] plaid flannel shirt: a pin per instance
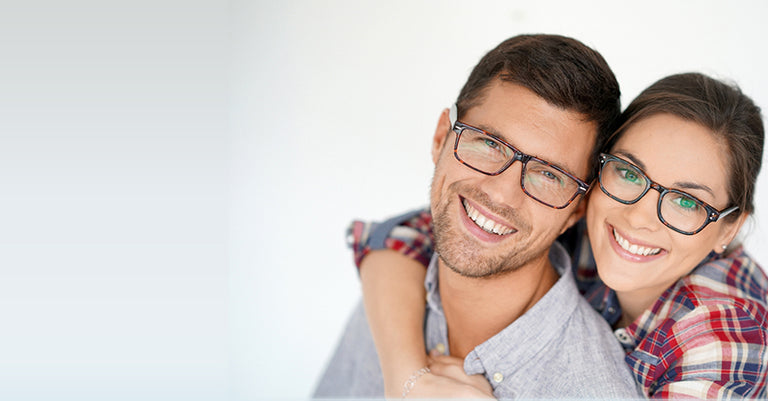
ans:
(705, 337)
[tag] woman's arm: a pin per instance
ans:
(394, 296)
(392, 257)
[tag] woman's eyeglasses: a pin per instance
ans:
(626, 183)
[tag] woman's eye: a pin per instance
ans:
(629, 175)
(686, 203)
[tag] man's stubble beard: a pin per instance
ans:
(459, 253)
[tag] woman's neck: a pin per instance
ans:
(634, 303)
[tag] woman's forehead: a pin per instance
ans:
(673, 150)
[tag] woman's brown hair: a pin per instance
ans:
(723, 109)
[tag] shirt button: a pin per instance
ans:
(623, 337)
(611, 310)
(440, 347)
(498, 377)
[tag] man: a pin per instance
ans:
(512, 159)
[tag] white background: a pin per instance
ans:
(176, 176)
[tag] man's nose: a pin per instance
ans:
(505, 188)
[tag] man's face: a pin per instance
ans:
(463, 200)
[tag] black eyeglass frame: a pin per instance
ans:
(458, 127)
(713, 214)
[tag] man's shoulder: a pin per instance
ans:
(566, 336)
(592, 354)
(353, 370)
(587, 327)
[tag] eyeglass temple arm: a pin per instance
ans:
(715, 217)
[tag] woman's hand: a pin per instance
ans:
(453, 368)
(447, 379)
(436, 386)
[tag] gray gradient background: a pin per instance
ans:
(176, 176)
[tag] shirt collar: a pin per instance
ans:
(520, 342)
(432, 286)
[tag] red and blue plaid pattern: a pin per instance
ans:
(412, 237)
(705, 337)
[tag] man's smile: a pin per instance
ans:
(487, 223)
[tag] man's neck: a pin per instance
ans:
(476, 309)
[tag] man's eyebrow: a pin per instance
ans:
(677, 184)
(496, 133)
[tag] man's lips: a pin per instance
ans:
(483, 220)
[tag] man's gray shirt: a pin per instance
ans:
(559, 348)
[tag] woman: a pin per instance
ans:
(675, 187)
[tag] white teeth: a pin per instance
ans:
(634, 248)
(480, 220)
(485, 223)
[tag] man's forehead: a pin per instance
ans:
(528, 122)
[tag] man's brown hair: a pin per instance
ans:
(563, 71)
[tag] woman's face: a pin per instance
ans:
(634, 251)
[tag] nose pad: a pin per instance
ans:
(643, 214)
(505, 188)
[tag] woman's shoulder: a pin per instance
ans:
(729, 282)
(709, 329)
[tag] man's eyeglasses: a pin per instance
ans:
(682, 212)
(485, 153)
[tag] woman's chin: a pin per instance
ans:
(618, 281)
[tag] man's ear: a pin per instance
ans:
(578, 212)
(441, 134)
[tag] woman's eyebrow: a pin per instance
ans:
(693, 185)
(637, 162)
(678, 184)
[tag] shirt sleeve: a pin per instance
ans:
(713, 352)
(409, 234)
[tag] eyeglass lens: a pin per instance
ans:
(625, 182)
(541, 181)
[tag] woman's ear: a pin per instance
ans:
(729, 232)
(441, 134)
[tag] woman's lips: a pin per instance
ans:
(632, 249)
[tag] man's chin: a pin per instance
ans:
(471, 265)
